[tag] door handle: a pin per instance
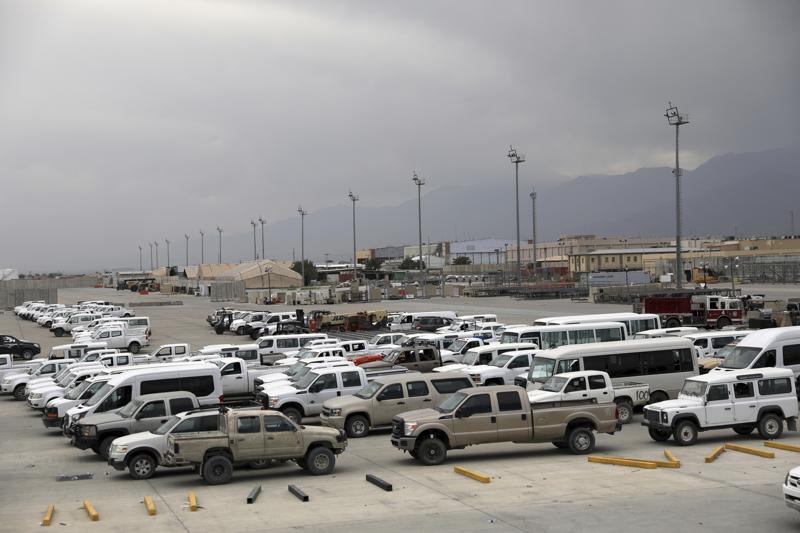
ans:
(163, 420)
(427, 400)
(493, 420)
(584, 395)
(751, 406)
(338, 393)
(238, 377)
(524, 416)
(605, 392)
(270, 438)
(401, 403)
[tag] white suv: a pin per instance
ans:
(791, 489)
(742, 400)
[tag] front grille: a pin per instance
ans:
(397, 427)
(794, 481)
(326, 411)
(652, 416)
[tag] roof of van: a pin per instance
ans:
(665, 342)
(147, 369)
(561, 327)
(165, 395)
(492, 346)
(293, 335)
(607, 316)
(719, 333)
(744, 373)
(764, 337)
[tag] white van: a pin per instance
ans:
(665, 332)
(634, 322)
(281, 344)
(547, 337)
(708, 343)
(201, 379)
(481, 355)
(404, 321)
(774, 347)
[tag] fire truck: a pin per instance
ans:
(710, 311)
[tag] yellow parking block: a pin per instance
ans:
(622, 461)
(477, 476)
(672, 459)
(91, 511)
(710, 458)
(192, 501)
(151, 507)
(48, 515)
(781, 446)
(752, 451)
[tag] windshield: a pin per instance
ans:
(300, 373)
(164, 428)
(65, 380)
(99, 395)
(725, 351)
(369, 391)
(451, 403)
(541, 369)
(458, 345)
(509, 337)
(500, 360)
(296, 369)
(304, 352)
(693, 388)
(76, 392)
(128, 410)
(469, 358)
(554, 384)
(306, 381)
(740, 357)
(374, 340)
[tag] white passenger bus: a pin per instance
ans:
(634, 322)
(547, 337)
(662, 363)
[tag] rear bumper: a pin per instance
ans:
(404, 443)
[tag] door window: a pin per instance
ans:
(717, 393)
(449, 386)
(417, 388)
(597, 382)
(118, 398)
(351, 379)
(475, 405)
(277, 424)
(567, 365)
(509, 401)
(325, 382)
(743, 389)
(767, 360)
(248, 424)
(391, 392)
(576, 385)
(153, 410)
(232, 369)
(719, 342)
(427, 355)
(767, 387)
(791, 354)
(198, 423)
(180, 350)
(123, 360)
(116, 334)
(180, 405)
(519, 362)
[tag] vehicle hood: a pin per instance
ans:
(270, 378)
(281, 389)
(479, 369)
(139, 438)
(376, 364)
(449, 368)
(539, 396)
(56, 402)
(286, 361)
(345, 402)
(680, 403)
(315, 432)
(420, 415)
(274, 385)
(103, 418)
(41, 387)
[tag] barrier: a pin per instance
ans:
(302, 496)
(192, 501)
(251, 498)
(715, 453)
(751, 451)
(781, 446)
(672, 459)
(477, 476)
(150, 506)
(91, 511)
(48, 515)
(378, 482)
(623, 461)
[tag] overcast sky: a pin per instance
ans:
(122, 122)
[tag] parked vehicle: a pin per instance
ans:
(238, 379)
(414, 358)
(215, 453)
(274, 347)
(500, 413)
(18, 347)
(634, 322)
(56, 409)
(312, 353)
(15, 383)
(75, 350)
(481, 355)
(7, 365)
(405, 321)
(742, 400)
(39, 397)
(269, 324)
(708, 343)
(167, 352)
(548, 337)
(791, 489)
(503, 369)
(708, 311)
(375, 405)
(683, 331)
(119, 337)
(775, 347)
(382, 339)
(430, 323)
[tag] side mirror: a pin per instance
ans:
(463, 413)
(314, 388)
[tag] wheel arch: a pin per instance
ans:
(143, 450)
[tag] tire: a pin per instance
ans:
(134, 347)
(59, 332)
(431, 451)
(673, 323)
(581, 440)
(217, 470)
(219, 330)
(48, 325)
(293, 414)
(320, 461)
(625, 411)
(685, 433)
(744, 430)
(723, 321)
(105, 446)
(301, 463)
(254, 334)
(659, 435)
(27, 355)
(656, 397)
(240, 331)
(357, 426)
(142, 466)
(770, 426)
(413, 453)
(19, 392)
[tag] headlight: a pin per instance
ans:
(35, 395)
(273, 402)
(409, 427)
(78, 416)
(117, 448)
(664, 416)
(336, 412)
(90, 431)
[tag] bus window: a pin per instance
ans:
(581, 336)
(608, 334)
(624, 365)
(568, 365)
(553, 339)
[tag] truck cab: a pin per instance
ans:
(503, 369)
(584, 385)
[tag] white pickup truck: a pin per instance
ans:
(60, 327)
(40, 396)
(296, 372)
(15, 383)
(7, 365)
(120, 337)
(502, 369)
(238, 379)
(167, 352)
(312, 353)
(57, 408)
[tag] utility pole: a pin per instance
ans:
(219, 230)
(354, 199)
(419, 182)
(255, 253)
(533, 232)
(151, 255)
(516, 159)
(140, 259)
(156, 243)
(302, 242)
(261, 219)
(674, 118)
(202, 247)
(186, 236)
(167, 241)
(791, 222)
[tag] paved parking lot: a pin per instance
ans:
(533, 487)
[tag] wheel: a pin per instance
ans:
(240, 330)
(254, 334)
(744, 430)
(19, 392)
(560, 444)
(685, 433)
(320, 461)
(770, 426)
(217, 470)
(581, 440)
(293, 414)
(723, 321)
(259, 464)
(105, 446)
(27, 355)
(413, 453)
(134, 347)
(657, 396)
(219, 330)
(431, 451)
(659, 435)
(301, 463)
(673, 323)
(357, 426)
(48, 325)
(625, 411)
(59, 332)
(142, 466)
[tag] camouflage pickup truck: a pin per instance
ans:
(501, 413)
(246, 436)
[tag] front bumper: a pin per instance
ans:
(336, 422)
(82, 442)
(8, 388)
(117, 464)
(50, 422)
(38, 403)
(791, 495)
(404, 443)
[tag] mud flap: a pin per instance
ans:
(791, 423)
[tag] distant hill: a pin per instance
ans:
(751, 193)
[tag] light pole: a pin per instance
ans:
(186, 236)
(261, 219)
(674, 118)
(219, 230)
(151, 255)
(202, 247)
(516, 159)
(354, 199)
(302, 242)
(419, 182)
(533, 232)
(140, 259)
(156, 243)
(255, 253)
(167, 241)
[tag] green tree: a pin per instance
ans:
(462, 260)
(410, 264)
(311, 271)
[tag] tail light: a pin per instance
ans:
(221, 398)
(616, 412)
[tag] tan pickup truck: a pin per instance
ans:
(501, 413)
(247, 436)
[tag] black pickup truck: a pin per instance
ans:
(19, 348)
